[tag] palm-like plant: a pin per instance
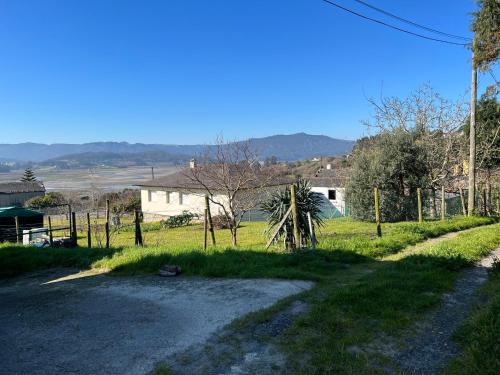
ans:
(307, 201)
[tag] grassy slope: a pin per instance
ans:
(479, 337)
(341, 325)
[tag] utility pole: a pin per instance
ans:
(152, 173)
(472, 137)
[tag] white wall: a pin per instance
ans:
(155, 206)
(337, 204)
(17, 199)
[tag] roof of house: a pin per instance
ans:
(184, 180)
(328, 178)
(18, 211)
(14, 187)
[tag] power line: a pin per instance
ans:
(411, 22)
(392, 26)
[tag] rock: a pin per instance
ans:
(169, 270)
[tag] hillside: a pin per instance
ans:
(285, 147)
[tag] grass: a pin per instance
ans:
(479, 335)
(345, 330)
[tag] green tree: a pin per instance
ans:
(28, 175)
(394, 162)
(48, 200)
(486, 28)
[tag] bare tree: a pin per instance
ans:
(232, 177)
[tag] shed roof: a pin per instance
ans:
(18, 211)
(14, 187)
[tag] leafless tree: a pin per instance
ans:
(232, 177)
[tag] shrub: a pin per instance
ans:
(178, 220)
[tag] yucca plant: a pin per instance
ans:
(278, 204)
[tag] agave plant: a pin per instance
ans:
(307, 201)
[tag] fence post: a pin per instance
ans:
(16, 219)
(51, 238)
(295, 216)
(73, 222)
(69, 220)
(462, 201)
(89, 231)
(138, 234)
(485, 208)
(377, 212)
(205, 230)
(443, 204)
(106, 225)
(419, 203)
(311, 231)
(210, 222)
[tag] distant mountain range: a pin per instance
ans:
(285, 147)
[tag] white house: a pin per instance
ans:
(178, 192)
(331, 187)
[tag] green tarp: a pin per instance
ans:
(18, 211)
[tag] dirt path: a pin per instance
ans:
(432, 346)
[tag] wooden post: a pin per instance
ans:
(462, 200)
(205, 230)
(18, 235)
(69, 220)
(443, 204)
(106, 225)
(89, 231)
(295, 215)
(419, 204)
(377, 212)
(138, 234)
(73, 222)
(210, 222)
(311, 231)
(51, 238)
(485, 208)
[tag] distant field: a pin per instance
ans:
(101, 178)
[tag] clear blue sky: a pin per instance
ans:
(183, 71)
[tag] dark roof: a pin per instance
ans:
(328, 178)
(18, 211)
(21, 187)
(183, 180)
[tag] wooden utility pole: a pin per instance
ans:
(377, 212)
(462, 200)
(209, 218)
(443, 204)
(419, 204)
(89, 231)
(295, 215)
(51, 238)
(18, 235)
(472, 136)
(106, 225)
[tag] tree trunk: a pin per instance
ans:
(472, 138)
(233, 235)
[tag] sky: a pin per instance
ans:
(185, 71)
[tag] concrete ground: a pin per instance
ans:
(60, 322)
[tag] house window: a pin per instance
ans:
(332, 195)
(167, 197)
(180, 198)
(149, 195)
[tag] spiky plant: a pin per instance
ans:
(307, 201)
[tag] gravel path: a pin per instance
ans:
(432, 346)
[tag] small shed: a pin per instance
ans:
(27, 219)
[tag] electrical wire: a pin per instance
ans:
(411, 22)
(392, 26)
